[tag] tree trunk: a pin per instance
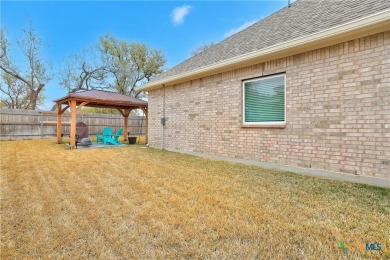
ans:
(33, 100)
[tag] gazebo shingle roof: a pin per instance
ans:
(104, 97)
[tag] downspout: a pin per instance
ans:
(163, 120)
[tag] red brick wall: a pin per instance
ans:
(338, 111)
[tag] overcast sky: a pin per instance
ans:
(175, 27)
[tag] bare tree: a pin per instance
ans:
(34, 78)
(83, 72)
(15, 92)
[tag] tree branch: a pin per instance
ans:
(15, 75)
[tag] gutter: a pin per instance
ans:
(368, 25)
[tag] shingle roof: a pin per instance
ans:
(302, 18)
(101, 97)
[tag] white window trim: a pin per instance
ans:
(281, 123)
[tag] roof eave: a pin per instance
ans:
(368, 25)
(69, 97)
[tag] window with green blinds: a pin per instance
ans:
(264, 100)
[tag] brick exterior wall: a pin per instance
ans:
(337, 111)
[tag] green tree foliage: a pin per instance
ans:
(15, 92)
(23, 87)
(96, 110)
(114, 65)
(130, 64)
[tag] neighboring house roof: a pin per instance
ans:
(100, 98)
(303, 19)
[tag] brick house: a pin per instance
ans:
(308, 86)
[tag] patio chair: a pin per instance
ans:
(118, 134)
(107, 131)
(107, 139)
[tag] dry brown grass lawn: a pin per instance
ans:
(132, 202)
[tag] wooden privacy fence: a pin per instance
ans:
(32, 124)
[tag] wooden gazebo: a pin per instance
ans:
(97, 98)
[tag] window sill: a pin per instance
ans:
(262, 126)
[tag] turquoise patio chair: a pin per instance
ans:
(107, 131)
(118, 134)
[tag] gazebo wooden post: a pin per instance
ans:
(59, 126)
(73, 111)
(125, 123)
